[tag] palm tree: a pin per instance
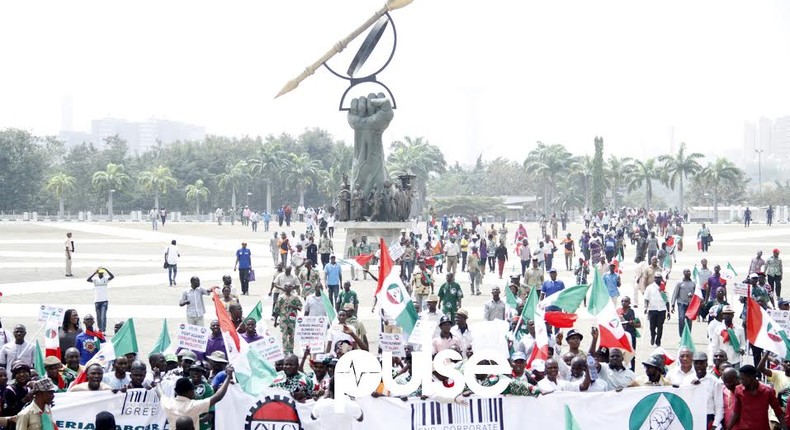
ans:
(580, 173)
(110, 180)
(302, 171)
(197, 192)
(679, 166)
(548, 163)
(643, 174)
(270, 162)
(59, 185)
(617, 171)
(233, 179)
(716, 176)
(415, 156)
(157, 180)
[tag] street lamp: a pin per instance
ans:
(759, 171)
(707, 204)
(109, 204)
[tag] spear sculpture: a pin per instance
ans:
(339, 46)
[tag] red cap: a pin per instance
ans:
(776, 250)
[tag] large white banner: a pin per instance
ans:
(135, 409)
(631, 409)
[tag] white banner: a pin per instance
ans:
(46, 312)
(740, 289)
(311, 331)
(192, 337)
(135, 409)
(396, 251)
(633, 408)
(392, 342)
(269, 347)
(781, 317)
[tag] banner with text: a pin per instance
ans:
(135, 409)
(46, 312)
(311, 332)
(192, 337)
(633, 408)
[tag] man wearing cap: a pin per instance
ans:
(432, 314)
(728, 337)
(752, 402)
(657, 309)
(100, 297)
(612, 281)
(352, 320)
(184, 402)
(494, 309)
(446, 340)
(773, 269)
(450, 296)
(52, 368)
(518, 362)
(681, 297)
(203, 390)
(421, 285)
(29, 418)
(244, 265)
(654, 373)
(95, 374)
(333, 278)
(713, 389)
(192, 298)
(461, 328)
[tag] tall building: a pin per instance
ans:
(140, 136)
(766, 131)
(780, 138)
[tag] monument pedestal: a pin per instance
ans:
(373, 230)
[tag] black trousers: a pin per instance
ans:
(776, 283)
(656, 320)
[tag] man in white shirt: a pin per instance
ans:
(451, 252)
(100, 296)
(683, 373)
(495, 308)
(713, 387)
(721, 337)
(324, 411)
(615, 373)
(432, 314)
(461, 329)
(69, 250)
(171, 262)
(552, 382)
(17, 350)
(314, 304)
(192, 298)
(184, 403)
(657, 309)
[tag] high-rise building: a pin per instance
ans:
(780, 138)
(766, 131)
(140, 136)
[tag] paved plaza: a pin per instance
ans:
(32, 258)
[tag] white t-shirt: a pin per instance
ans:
(172, 255)
(335, 335)
(314, 306)
(655, 301)
(324, 412)
(100, 290)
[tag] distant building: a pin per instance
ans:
(780, 138)
(140, 136)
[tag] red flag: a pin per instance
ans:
(560, 319)
(363, 259)
(385, 264)
(225, 322)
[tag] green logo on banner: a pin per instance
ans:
(661, 411)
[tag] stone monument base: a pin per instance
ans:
(373, 230)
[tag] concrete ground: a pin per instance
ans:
(33, 261)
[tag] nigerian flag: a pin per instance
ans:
(393, 297)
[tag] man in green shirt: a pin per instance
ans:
(347, 296)
(450, 296)
(353, 321)
(203, 390)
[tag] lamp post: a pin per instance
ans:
(759, 171)
(109, 204)
(707, 204)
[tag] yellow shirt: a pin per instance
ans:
(464, 245)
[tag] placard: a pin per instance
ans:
(740, 289)
(311, 332)
(269, 348)
(781, 317)
(192, 337)
(46, 312)
(396, 251)
(392, 342)
(423, 332)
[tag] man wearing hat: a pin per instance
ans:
(203, 390)
(432, 313)
(43, 391)
(446, 340)
(461, 328)
(218, 362)
(352, 320)
(728, 337)
(654, 373)
(713, 390)
(657, 309)
(52, 368)
(518, 362)
(773, 270)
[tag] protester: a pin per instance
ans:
(244, 266)
(100, 296)
(172, 254)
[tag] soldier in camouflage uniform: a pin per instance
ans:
(288, 307)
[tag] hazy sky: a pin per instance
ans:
(493, 76)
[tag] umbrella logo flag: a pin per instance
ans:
(392, 294)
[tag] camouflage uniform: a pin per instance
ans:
(287, 310)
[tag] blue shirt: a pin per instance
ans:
(267, 217)
(87, 345)
(244, 255)
(550, 287)
(332, 274)
(610, 280)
